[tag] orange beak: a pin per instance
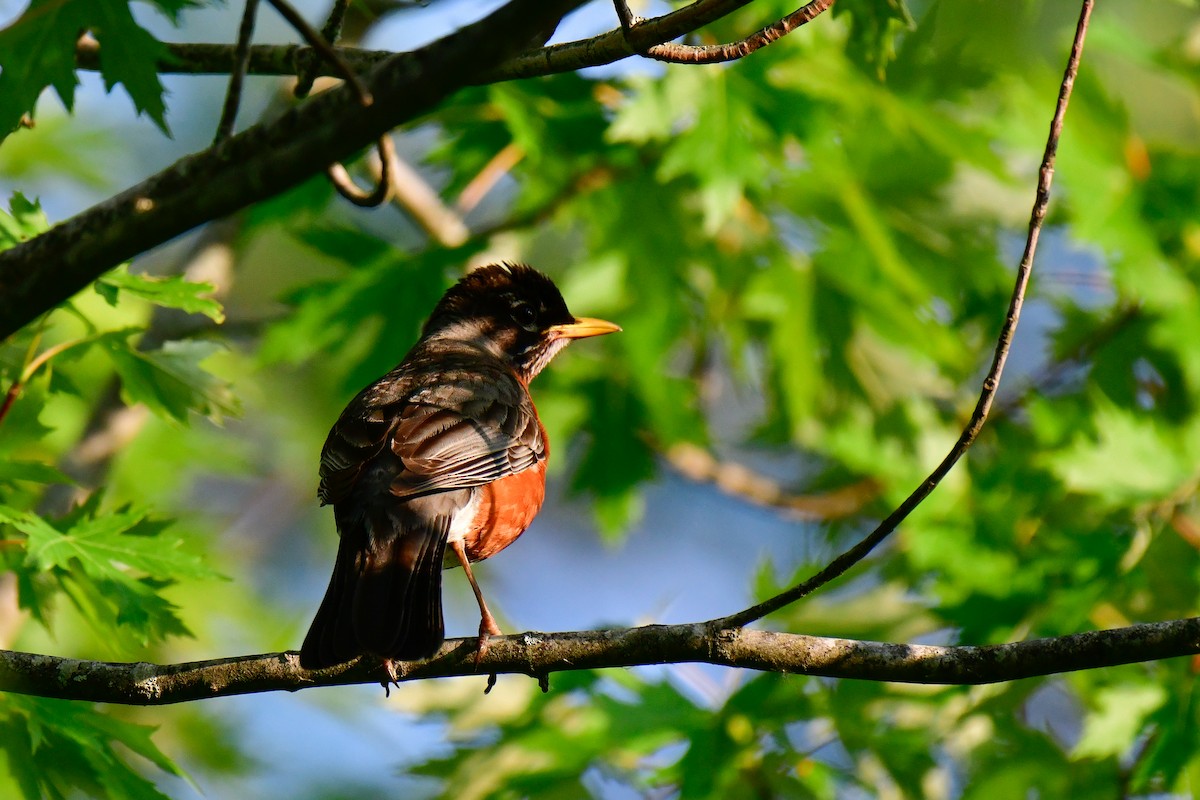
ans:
(584, 327)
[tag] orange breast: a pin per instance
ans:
(506, 508)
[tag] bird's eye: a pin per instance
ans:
(524, 315)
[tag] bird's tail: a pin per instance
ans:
(385, 596)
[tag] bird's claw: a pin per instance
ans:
(389, 666)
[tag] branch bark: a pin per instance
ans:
(539, 654)
(268, 159)
(258, 163)
(294, 59)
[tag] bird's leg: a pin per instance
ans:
(487, 623)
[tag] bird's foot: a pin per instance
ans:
(487, 629)
(389, 666)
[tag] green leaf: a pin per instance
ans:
(129, 56)
(59, 748)
(32, 471)
(105, 545)
(723, 150)
(170, 381)
(1128, 457)
(616, 462)
(23, 220)
(38, 50)
(172, 8)
(170, 292)
(875, 25)
(112, 566)
(1113, 728)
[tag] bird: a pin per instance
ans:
(439, 463)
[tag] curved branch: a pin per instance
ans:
(539, 654)
(256, 164)
(991, 383)
(718, 53)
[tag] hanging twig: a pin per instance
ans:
(237, 75)
(413, 195)
(500, 164)
(348, 189)
(990, 384)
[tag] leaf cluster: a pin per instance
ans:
(810, 252)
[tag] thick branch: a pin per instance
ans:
(538, 654)
(258, 163)
(293, 59)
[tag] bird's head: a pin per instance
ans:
(513, 311)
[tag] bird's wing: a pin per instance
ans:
(429, 447)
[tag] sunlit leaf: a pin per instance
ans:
(23, 220)
(170, 292)
(170, 381)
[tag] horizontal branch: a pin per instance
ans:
(256, 164)
(539, 654)
(293, 59)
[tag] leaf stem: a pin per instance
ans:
(32, 366)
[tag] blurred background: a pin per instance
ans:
(810, 252)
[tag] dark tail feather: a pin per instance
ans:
(385, 596)
(331, 638)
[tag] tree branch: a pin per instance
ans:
(294, 59)
(991, 383)
(256, 164)
(718, 53)
(539, 654)
(237, 76)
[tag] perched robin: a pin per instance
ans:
(439, 463)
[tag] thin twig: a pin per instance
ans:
(330, 33)
(674, 53)
(413, 195)
(628, 18)
(237, 75)
(318, 43)
(697, 464)
(990, 384)
(31, 369)
(348, 189)
(497, 167)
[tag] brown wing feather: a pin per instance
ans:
(405, 456)
(472, 427)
